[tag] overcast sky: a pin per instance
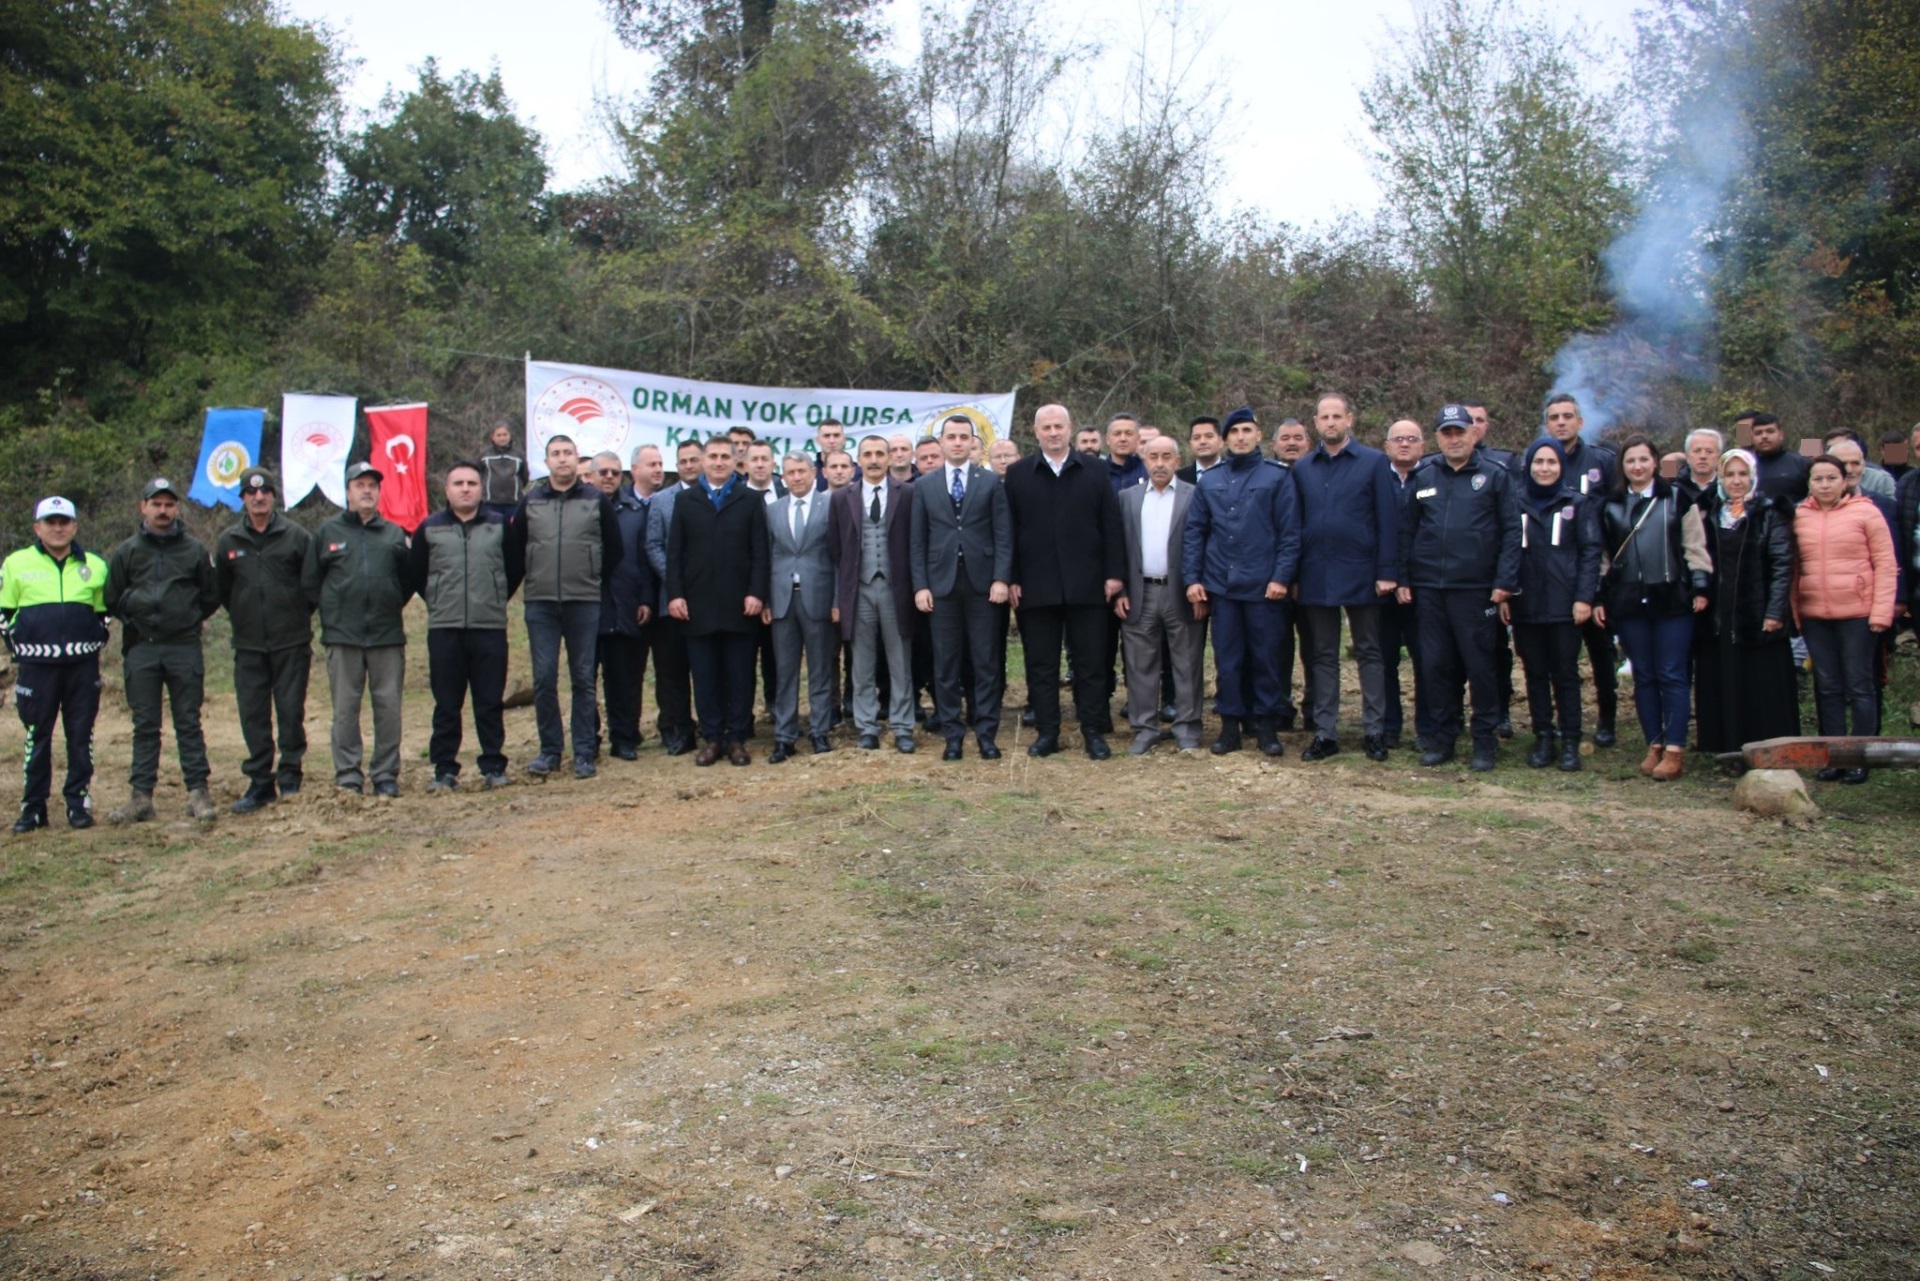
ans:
(1290, 146)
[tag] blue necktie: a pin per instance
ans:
(959, 491)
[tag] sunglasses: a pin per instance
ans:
(606, 471)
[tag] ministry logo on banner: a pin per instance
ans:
(316, 433)
(229, 443)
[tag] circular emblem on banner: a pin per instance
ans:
(590, 411)
(982, 424)
(320, 443)
(1479, 482)
(224, 465)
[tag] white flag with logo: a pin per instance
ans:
(316, 432)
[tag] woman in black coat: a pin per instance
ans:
(1744, 686)
(1559, 578)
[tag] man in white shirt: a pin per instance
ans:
(1154, 611)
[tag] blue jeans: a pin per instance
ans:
(1658, 648)
(578, 624)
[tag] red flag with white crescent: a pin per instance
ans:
(399, 451)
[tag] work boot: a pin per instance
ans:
(1229, 740)
(200, 806)
(138, 809)
(1569, 752)
(1483, 758)
(259, 796)
(1267, 734)
(1542, 754)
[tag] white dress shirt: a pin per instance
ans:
(1156, 527)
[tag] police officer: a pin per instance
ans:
(53, 610)
(257, 566)
(160, 583)
(1459, 559)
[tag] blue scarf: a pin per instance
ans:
(719, 496)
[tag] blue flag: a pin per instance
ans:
(228, 446)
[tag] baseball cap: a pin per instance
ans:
(1454, 416)
(55, 506)
(258, 478)
(357, 470)
(158, 485)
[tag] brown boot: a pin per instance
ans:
(1654, 752)
(1670, 766)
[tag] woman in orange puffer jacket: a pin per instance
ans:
(1843, 592)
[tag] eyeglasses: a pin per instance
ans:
(606, 471)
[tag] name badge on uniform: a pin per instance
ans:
(1425, 493)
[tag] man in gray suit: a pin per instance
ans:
(962, 554)
(871, 530)
(1154, 611)
(800, 609)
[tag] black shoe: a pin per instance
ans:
(953, 752)
(678, 746)
(354, 788)
(1854, 777)
(1097, 748)
(930, 722)
(541, 766)
(584, 767)
(781, 754)
(989, 750)
(256, 798)
(1167, 713)
(1603, 735)
(1045, 745)
(1436, 755)
(1320, 748)
(443, 784)
(1229, 740)
(30, 820)
(626, 752)
(869, 742)
(1831, 774)
(1284, 722)
(1026, 718)
(1392, 741)
(80, 818)
(1569, 752)
(1483, 757)
(289, 786)
(821, 744)
(1504, 729)
(902, 743)
(1375, 746)
(1269, 739)
(388, 789)
(1543, 750)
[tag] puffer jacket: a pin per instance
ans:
(1846, 566)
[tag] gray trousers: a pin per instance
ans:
(1163, 612)
(876, 630)
(1320, 625)
(351, 671)
(794, 634)
(177, 670)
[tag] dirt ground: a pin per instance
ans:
(868, 1015)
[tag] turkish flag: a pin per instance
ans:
(399, 435)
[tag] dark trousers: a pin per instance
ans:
(179, 672)
(68, 693)
(1291, 640)
(1845, 658)
(1083, 628)
(1246, 657)
(622, 660)
(722, 665)
(1550, 653)
(672, 681)
(1458, 635)
(270, 690)
(463, 661)
(1110, 683)
(1605, 662)
(577, 624)
(1400, 630)
(968, 666)
(1659, 649)
(769, 670)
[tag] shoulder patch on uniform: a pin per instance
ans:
(1480, 482)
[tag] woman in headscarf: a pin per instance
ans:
(1559, 578)
(1655, 575)
(1843, 594)
(1744, 686)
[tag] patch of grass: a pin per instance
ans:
(1695, 951)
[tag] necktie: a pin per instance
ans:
(799, 518)
(873, 508)
(959, 491)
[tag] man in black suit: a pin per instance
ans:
(962, 557)
(1208, 446)
(717, 581)
(1069, 562)
(873, 593)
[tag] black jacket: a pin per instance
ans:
(257, 576)
(1783, 475)
(716, 559)
(1460, 529)
(1752, 569)
(1559, 561)
(1647, 570)
(1591, 469)
(161, 586)
(1906, 502)
(631, 584)
(1067, 540)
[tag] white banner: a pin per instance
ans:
(315, 434)
(622, 410)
